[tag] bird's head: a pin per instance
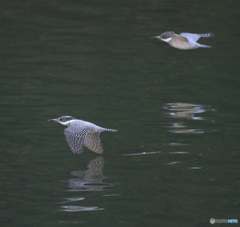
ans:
(64, 120)
(166, 36)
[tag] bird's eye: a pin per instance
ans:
(165, 36)
(69, 118)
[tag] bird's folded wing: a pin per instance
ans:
(75, 140)
(93, 142)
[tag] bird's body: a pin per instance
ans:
(81, 133)
(184, 41)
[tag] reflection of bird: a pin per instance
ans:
(94, 172)
(185, 110)
(184, 41)
(79, 133)
(90, 179)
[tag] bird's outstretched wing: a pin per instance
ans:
(93, 142)
(75, 139)
(191, 36)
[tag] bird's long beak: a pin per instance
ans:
(53, 120)
(156, 37)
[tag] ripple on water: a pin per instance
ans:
(143, 153)
(79, 208)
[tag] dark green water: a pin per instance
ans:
(175, 160)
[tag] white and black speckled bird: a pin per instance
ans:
(184, 41)
(82, 133)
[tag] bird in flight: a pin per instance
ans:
(184, 41)
(81, 133)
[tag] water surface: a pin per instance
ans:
(175, 158)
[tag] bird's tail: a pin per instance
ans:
(110, 130)
(205, 46)
(205, 35)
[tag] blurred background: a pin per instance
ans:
(174, 160)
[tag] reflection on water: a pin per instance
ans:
(74, 199)
(187, 131)
(79, 208)
(176, 144)
(142, 153)
(86, 180)
(172, 163)
(195, 168)
(90, 179)
(187, 111)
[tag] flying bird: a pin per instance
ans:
(184, 41)
(81, 133)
